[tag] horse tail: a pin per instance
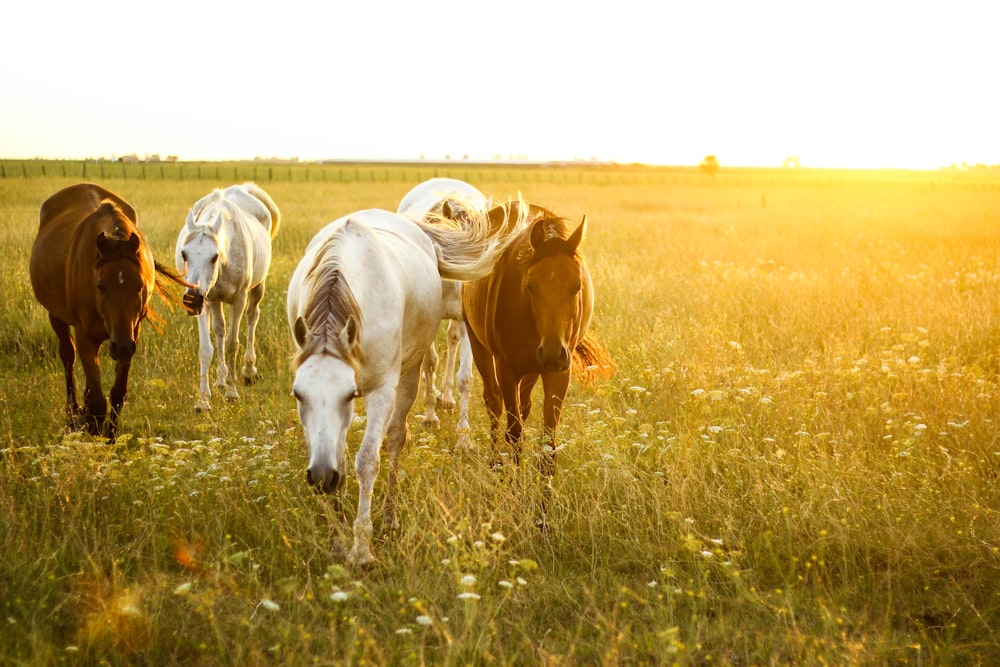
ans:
(266, 200)
(164, 276)
(469, 250)
(592, 361)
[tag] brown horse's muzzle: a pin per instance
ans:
(122, 350)
(193, 301)
(553, 358)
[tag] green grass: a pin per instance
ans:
(796, 462)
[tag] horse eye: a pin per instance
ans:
(215, 258)
(184, 255)
(297, 395)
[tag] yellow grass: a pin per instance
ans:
(796, 461)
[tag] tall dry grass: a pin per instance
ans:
(796, 462)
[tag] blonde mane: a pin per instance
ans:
(331, 304)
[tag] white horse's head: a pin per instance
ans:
(325, 387)
(200, 254)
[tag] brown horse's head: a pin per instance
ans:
(122, 290)
(554, 282)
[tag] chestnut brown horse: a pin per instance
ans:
(93, 271)
(527, 320)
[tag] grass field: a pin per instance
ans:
(797, 461)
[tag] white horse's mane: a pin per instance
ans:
(330, 306)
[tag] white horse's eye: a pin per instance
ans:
(184, 255)
(215, 258)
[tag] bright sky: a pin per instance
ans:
(845, 83)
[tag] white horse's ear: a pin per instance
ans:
(300, 332)
(576, 238)
(190, 219)
(218, 224)
(349, 334)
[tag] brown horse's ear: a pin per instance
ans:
(300, 332)
(134, 243)
(576, 238)
(102, 245)
(538, 234)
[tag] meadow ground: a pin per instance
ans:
(796, 463)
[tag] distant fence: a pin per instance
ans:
(557, 173)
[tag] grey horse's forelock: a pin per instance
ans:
(331, 304)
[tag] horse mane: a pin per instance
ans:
(331, 304)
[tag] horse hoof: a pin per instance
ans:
(445, 405)
(202, 407)
(432, 422)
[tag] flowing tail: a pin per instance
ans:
(266, 200)
(592, 361)
(468, 250)
(165, 275)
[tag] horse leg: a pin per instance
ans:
(378, 408)
(486, 365)
(464, 384)
(250, 374)
(236, 311)
(554, 385)
(218, 322)
(427, 370)
(117, 396)
(205, 352)
(510, 390)
(456, 333)
(95, 405)
(67, 354)
(395, 440)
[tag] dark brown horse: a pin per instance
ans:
(93, 271)
(527, 320)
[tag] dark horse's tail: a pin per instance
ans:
(591, 361)
(164, 277)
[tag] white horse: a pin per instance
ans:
(224, 250)
(449, 198)
(364, 304)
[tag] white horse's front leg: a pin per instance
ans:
(233, 342)
(395, 440)
(253, 315)
(464, 383)
(456, 334)
(378, 409)
(428, 369)
(218, 324)
(205, 353)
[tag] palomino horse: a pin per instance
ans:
(447, 197)
(224, 250)
(529, 319)
(364, 304)
(92, 269)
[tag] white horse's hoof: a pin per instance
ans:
(202, 406)
(431, 422)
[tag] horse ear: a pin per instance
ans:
(102, 244)
(300, 332)
(190, 220)
(134, 243)
(576, 238)
(538, 234)
(447, 210)
(349, 334)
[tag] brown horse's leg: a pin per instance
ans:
(67, 353)
(510, 391)
(485, 364)
(117, 396)
(554, 385)
(95, 406)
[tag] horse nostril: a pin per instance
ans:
(325, 483)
